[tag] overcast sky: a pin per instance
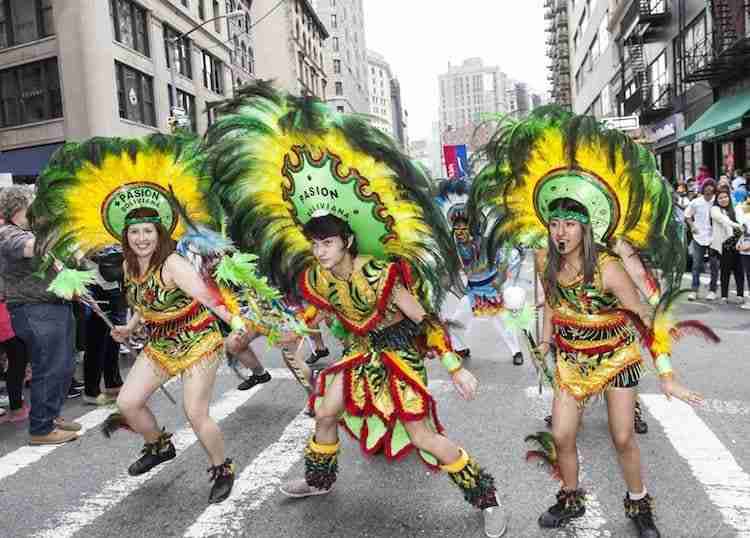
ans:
(419, 37)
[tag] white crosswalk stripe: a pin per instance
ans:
(726, 484)
(119, 488)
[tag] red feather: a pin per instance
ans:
(693, 327)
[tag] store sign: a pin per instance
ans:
(665, 131)
(623, 123)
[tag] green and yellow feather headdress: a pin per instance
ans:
(87, 190)
(277, 159)
(554, 154)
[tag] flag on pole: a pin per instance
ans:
(456, 160)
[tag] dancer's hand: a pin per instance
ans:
(466, 384)
(120, 333)
(542, 349)
(670, 388)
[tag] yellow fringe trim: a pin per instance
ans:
(323, 449)
(457, 465)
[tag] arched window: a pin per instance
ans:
(250, 60)
(244, 56)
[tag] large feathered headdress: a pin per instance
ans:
(277, 159)
(87, 189)
(554, 154)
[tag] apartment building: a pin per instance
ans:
(290, 43)
(106, 74)
(558, 51)
(346, 54)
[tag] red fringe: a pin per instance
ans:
(694, 327)
(606, 348)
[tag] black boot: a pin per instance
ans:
(154, 453)
(639, 424)
(569, 506)
(317, 355)
(641, 512)
(223, 478)
(253, 380)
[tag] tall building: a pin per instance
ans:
(106, 74)
(558, 50)
(400, 116)
(379, 81)
(419, 150)
(290, 43)
(242, 36)
(346, 54)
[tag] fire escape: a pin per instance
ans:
(724, 54)
(651, 99)
(558, 51)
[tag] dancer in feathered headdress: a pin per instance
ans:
(486, 278)
(567, 184)
(145, 194)
(338, 214)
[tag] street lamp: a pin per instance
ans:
(177, 112)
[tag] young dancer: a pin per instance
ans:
(566, 183)
(335, 211)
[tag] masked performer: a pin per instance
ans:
(109, 191)
(569, 182)
(485, 280)
(334, 210)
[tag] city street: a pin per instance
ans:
(696, 461)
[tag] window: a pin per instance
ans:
(248, 23)
(22, 21)
(337, 66)
(180, 48)
(243, 55)
(130, 25)
(604, 33)
(187, 103)
(335, 44)
(30, 93)
(135, 95)
(202, 9)
(658, 79)
(217, 22)
(213, 73)
(184, 3)
(339, 88)
(250, 60)
(334, 22)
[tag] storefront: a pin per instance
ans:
(717, 137)
(25, 164)
(662, 137)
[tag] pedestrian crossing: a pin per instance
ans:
(715, 471)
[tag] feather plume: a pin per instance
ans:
(546, 454)
(70, 283)
(114, 422)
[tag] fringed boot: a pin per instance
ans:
(223, 478)
(642, 514)
(478, 487)
(154, 453)
(321, 467)
(570, 505)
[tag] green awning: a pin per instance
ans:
(723, 117)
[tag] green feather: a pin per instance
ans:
(239, 270)
(70, 283)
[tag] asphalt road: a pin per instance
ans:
(696, 462)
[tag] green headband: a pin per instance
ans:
(566, 214)
(141, 220)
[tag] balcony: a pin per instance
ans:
(646, 18)
(705, 61)
(652, 102)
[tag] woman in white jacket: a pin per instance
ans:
(726, 232)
